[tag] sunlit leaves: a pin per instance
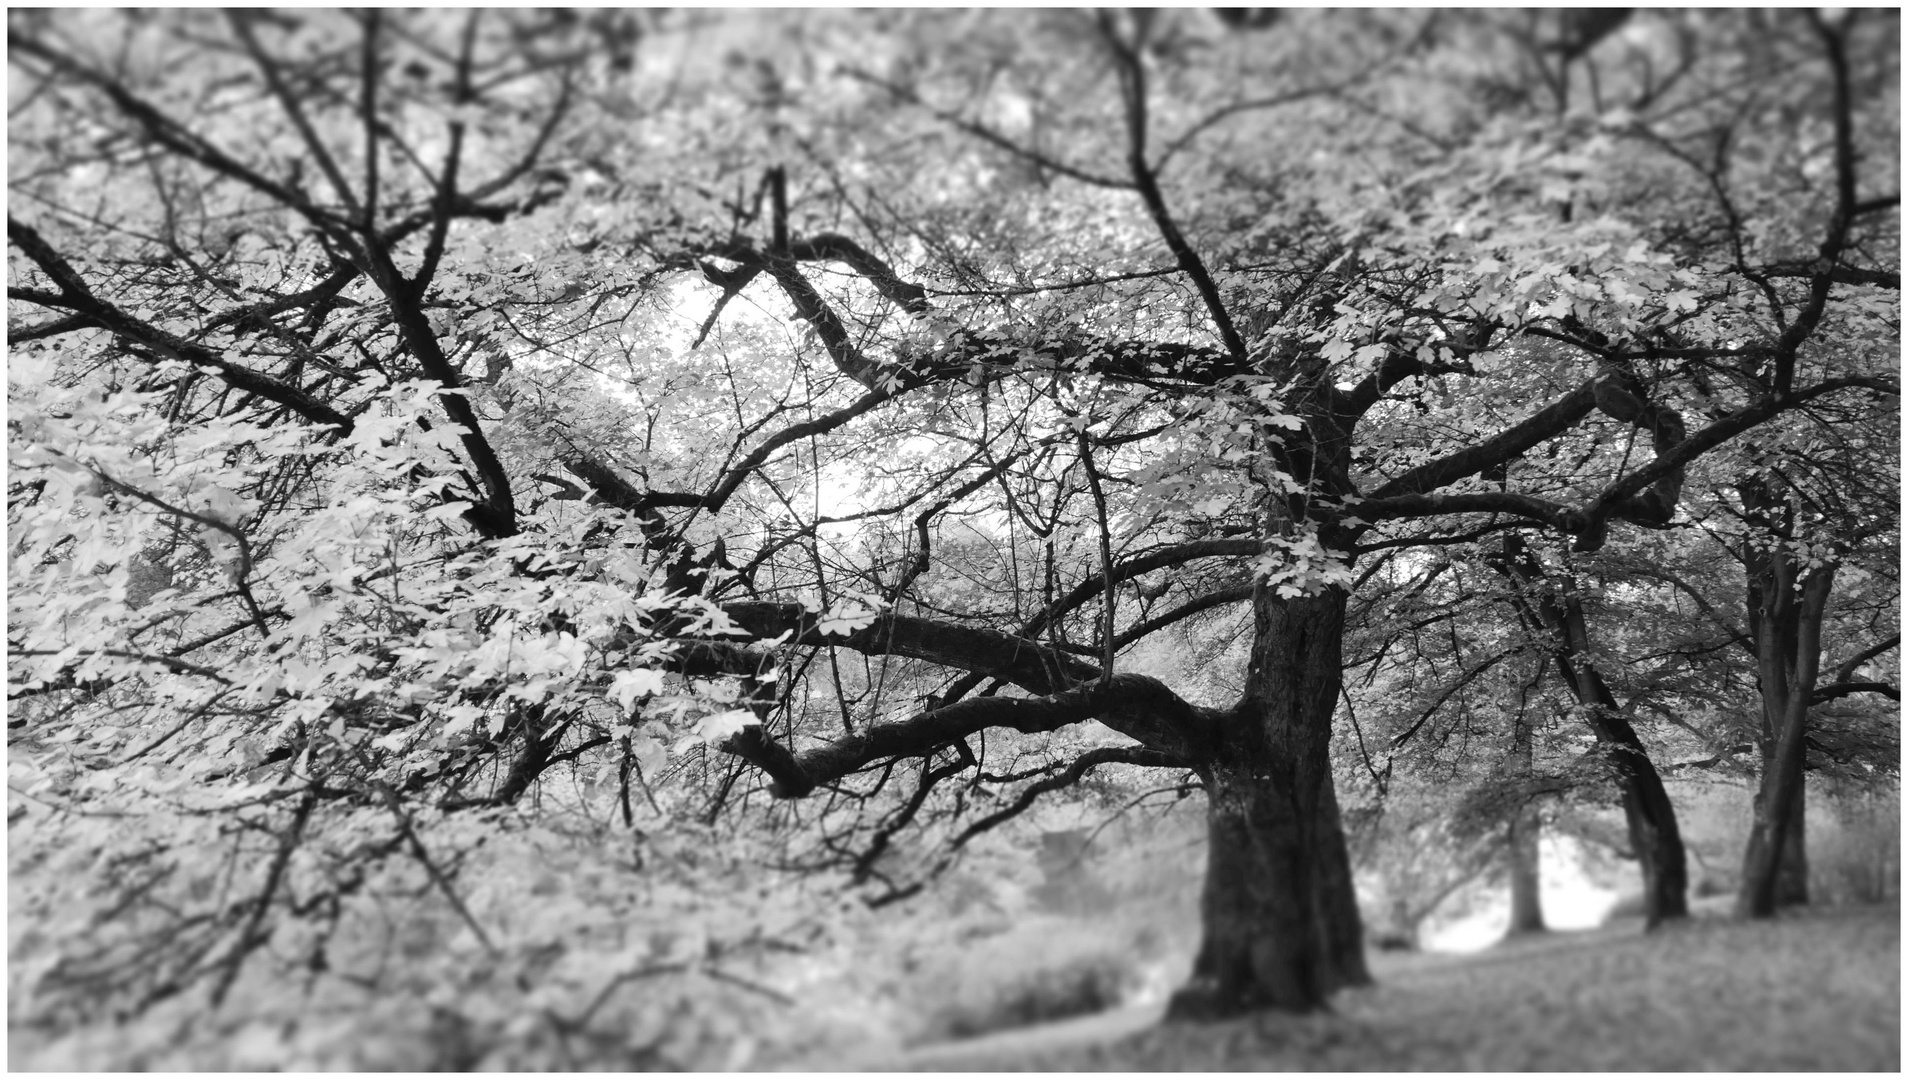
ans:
(1300, 565)
(626, 686)
(848, 615)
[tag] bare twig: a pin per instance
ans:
(1106, 552)
(249, 937)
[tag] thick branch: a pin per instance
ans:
(1847, 670)
(1026, 663)
(815, 311)
(1844, 689)
(1545, 424)
(1124, 702)
(826, 247)
(1673, 459)
(1621, 397)
(1840, 274)
(1553, 514)
(1398, 366)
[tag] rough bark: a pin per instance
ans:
(1280, 916)
(1344, 930)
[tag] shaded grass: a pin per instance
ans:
(1814, 991)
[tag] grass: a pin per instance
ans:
(1819, 990)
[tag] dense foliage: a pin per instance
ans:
(509, 510)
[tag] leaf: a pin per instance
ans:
(843, 621)
(626, 686)
(716, 727)
(650, 754)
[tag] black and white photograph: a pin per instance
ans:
(1001, 539)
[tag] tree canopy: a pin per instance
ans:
(412, 413)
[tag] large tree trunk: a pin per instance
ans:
(1280, 915)
(1344, 931)
(1789, 651)
(1526, 904)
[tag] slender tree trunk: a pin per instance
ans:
(1651, 817)
(1788, 682)
(1792, 866)
(1646, 805)
(1280, 916)
(1792, 869)
(1526, 904)
(1785, 619)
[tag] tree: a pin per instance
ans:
(1092, 308)
(1557, 612)
(1526, 880)
(1790, 569)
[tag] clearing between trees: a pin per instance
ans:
(1816, 991)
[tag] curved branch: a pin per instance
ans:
(848, 357)
(1844, 689)
(1029, 664)
(718, 496)
(1546, 423)
(1620, 396)
(1073, 774)
(1737, 636)
(920, 563)
(1672, 460)
(833, 247)
(1135, 567)
(1226, 112)
(1829, 253)
(1553, 514)
(1840, 274)
(174, 136)
(1463, 680)
(1133, 88)
(1846, 670)
(1399, 365)
(77, 297)
(1231, 594)
(1178, 730)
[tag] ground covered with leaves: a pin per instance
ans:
(1813, 991)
